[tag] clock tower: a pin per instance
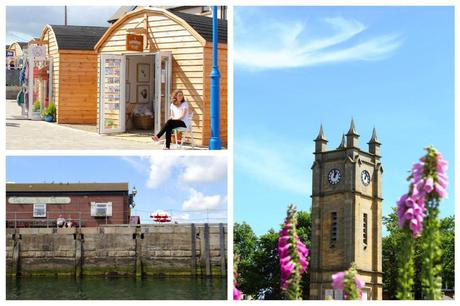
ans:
(346, 214)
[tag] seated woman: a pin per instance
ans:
(179, 117)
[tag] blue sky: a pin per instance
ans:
(298, 67)
(184, 186)
(19, 28)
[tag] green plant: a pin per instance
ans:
(50, 110)
(36, 106)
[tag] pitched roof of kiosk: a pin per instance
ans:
(77, 37)
(201, 24)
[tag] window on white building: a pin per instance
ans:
(101, 209)
(39, 210)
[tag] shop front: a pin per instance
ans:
(34, 78)
(147, 54)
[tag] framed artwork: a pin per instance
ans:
(143, 72)
(143, 93)
(128, 91)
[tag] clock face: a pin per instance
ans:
(334, 176)
(365, 177)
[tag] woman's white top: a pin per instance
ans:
(176, 112)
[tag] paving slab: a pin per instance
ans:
(24, 134)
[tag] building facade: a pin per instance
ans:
(84, 204)
(346, 215)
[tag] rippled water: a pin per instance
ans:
(98, 288)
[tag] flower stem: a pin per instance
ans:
(405, 266)
(431, 253)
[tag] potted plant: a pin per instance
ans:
(49, 114)
(36, 106)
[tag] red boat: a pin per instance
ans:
(161, 216)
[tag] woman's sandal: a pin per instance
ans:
(155, 138)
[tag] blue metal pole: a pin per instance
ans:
(214, 141)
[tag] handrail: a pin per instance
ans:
(43, 220)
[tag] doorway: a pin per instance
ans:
(134, 92)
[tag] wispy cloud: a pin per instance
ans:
(200, 201)
(187, 170)
(204, 169)
(274, 165)
(275, 45)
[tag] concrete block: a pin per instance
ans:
(28, 231)
(45, 230)
(67, 230)
(119, 230)
(89, 230)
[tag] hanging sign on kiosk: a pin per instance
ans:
(37, 53)
(134, 42)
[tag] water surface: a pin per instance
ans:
(100, 288)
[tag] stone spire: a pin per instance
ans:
(374, 144)
(352, 136)
(320, 141)
(343, 144)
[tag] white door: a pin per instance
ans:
(112, 94)
(162, 88)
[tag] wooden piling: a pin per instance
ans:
(207, 257)
(193, 249)
(78, 254)
(138, 243)
(223, 265)
(16, 252)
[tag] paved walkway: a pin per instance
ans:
(23, 134)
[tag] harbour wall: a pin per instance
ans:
(143, 250)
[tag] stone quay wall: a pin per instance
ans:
(151, 250)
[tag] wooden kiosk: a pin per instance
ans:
(17, 48)
(74, 61)
(147, 54)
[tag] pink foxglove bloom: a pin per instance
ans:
(349, 283)
(236, 294)
(424, 182)
(337, 280)
(293, 256)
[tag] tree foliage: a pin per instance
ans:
(391, 246)
(259, 262)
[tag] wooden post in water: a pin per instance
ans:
(138, 245)
(16, 250)
(78, 253)
(222, 250)
(193, 249)
(207, 257)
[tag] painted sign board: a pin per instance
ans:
(37, 52)
(134, 42)
(37, 200)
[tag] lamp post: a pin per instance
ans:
(131, 196)
(214, 141)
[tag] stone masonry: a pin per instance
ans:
(156, 250)
(346, 214)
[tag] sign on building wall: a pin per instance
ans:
(35, 200)
(134, 42)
